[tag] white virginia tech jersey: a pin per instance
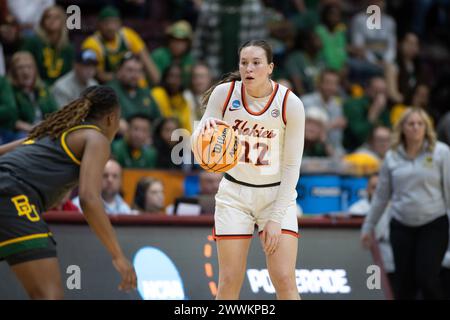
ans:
(261, 133)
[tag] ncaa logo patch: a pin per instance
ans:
(235, 105)
(275, 113)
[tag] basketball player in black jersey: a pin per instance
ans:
(70, 147)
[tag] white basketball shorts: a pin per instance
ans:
(239, 209)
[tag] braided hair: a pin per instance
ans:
(93, 104)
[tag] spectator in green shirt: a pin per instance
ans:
(133, 98)
(50, 46)
(134, 150)
(31, 94)
(304, 14)
(305, 63)
(366, 112)
(8, 111)
(332, 33)
(179, 38)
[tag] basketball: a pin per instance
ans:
(217, 151)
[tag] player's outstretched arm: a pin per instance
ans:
(10, 146)
(95, 155)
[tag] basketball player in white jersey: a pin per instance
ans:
(261, 189)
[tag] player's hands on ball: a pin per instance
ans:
(211, 123)
(270, 237)
(367, 240)
(126, 270)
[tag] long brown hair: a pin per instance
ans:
(235, 75)
(142, 186)
(94, 103)
(63, 36)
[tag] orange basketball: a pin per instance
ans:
(217, 151)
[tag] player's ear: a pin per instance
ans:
(111, 118)
(271, 66)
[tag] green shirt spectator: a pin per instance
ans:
(303, 14)
(33, 106)
(332, 32)
(179, 37)
(134, 150)
(359, 126)
(334, 46)
(163, 59)
(305, 64)
(52, 63)
(31, 94)
(139, 100)
(128, 157)
(50, 47)
(8, 108)
(317, 150)
(133, 98)
(306, 68)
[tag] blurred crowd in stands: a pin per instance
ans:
(160, 56)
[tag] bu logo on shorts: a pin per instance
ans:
(24, 208)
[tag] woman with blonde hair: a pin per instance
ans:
(32, 96)
(415, 179)
(50, 46)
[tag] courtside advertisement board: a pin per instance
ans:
(179, 262)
